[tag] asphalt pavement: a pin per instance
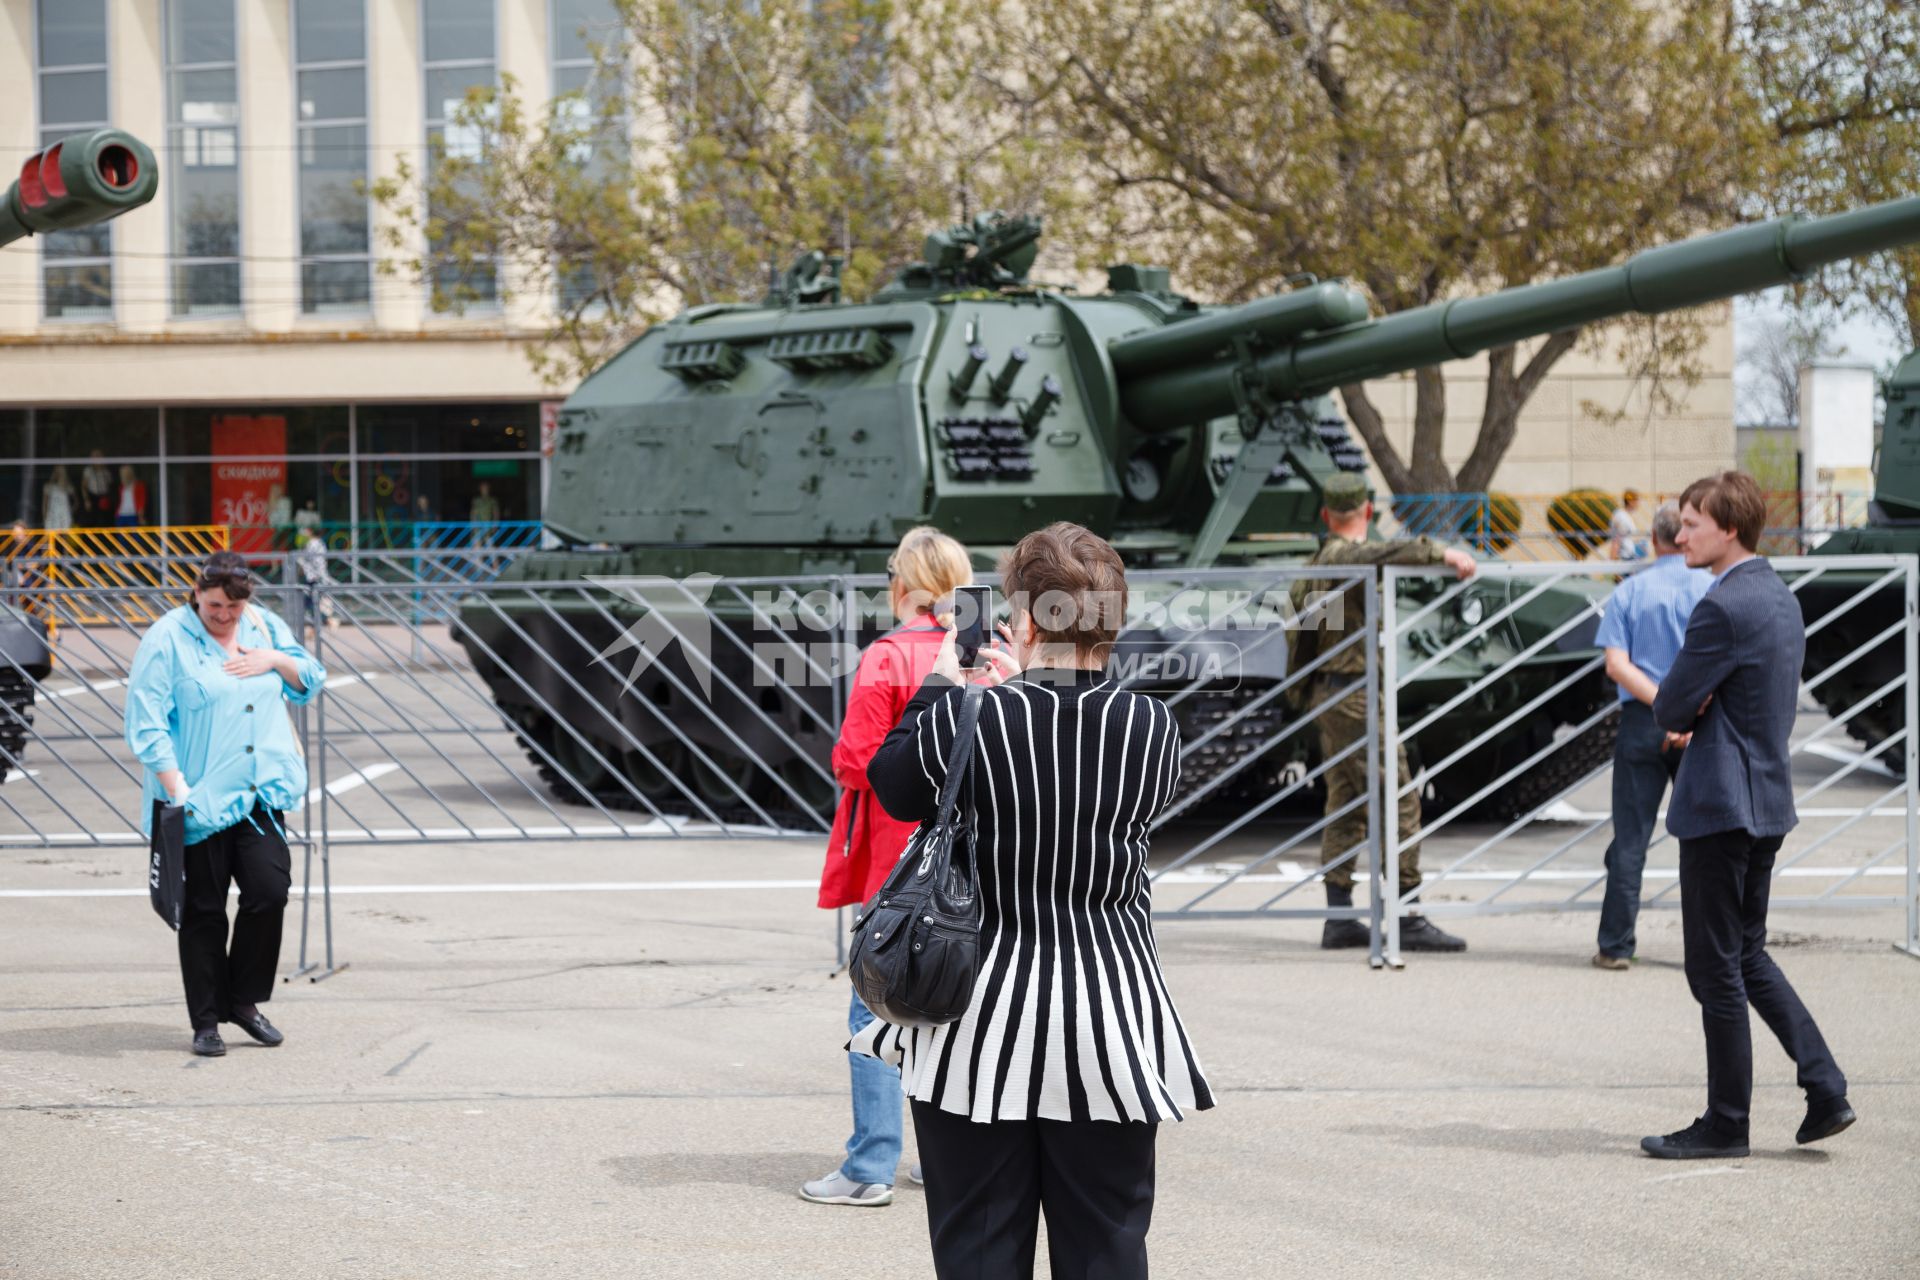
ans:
(621, 1059)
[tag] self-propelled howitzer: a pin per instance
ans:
(799, 435)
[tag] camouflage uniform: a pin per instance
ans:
(1345, 720)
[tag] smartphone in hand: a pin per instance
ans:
(972, 622)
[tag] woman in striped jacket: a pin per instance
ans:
(1048, 1092)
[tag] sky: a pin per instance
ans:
(1865, 338)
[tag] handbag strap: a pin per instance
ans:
(961, 757)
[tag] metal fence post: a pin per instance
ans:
(307, 744)
(1912, 752)
(846, 635)
(324, 798)
(1376, 903)
(1387, 733)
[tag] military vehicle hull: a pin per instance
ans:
(1854, 652)
(744, 746)
(25, 657)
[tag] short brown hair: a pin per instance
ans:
(226, 571)
(1733, 500)
(1072, 583)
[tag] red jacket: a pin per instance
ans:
(866, 841)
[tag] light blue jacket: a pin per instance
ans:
(230, 737)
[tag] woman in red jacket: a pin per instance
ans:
(865, 842)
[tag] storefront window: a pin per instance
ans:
(297, 429)
(258, 467)
(263, 498)
(76, 433)
(396, 492)
(449, 428)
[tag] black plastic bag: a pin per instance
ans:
(167, 867)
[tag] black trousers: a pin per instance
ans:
(1724, 882)
(252, 854)
(987, 1183)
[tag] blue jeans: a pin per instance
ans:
(1641, 772)
(873, 1152)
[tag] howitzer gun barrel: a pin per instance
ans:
(1709, 268)
(77, 182)
(1280, 318)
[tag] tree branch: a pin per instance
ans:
(1365, 416)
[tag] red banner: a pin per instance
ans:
(243, 492)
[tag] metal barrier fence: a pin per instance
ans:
(1575, 525)
(84, 560)
(389, 535)
(1510, 708)
(703, 708)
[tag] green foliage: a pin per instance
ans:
(1772, 458)
(1426, 148)
(1501, 521)
(718, 140)
(1579, 519)
(1840, 85)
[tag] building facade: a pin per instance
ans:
(235, 343)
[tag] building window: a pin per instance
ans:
(203, 141)
(330, 68)
(458, 44)
(75, 272)
(583, 100)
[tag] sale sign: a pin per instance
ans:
(249, 472)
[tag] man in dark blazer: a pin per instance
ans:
(1729, 698)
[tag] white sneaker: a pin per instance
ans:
(838, 1188)
(916, 1177)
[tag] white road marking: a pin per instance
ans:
(1840, 755)
(1561, 811)
(342, 682)
(15, 775)
(358, 778)
(97, 687)
(731, 886)
(1699, 1173)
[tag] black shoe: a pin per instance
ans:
(1824, 1119)
(1338, 935)
(258, 1027)
(1417, 933)
(1698, 1141)
(208, 1043)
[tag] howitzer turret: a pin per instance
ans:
(801, 435)
(77, 182)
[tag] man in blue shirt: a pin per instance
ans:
(1642, 631)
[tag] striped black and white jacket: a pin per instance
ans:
(1070, 1019)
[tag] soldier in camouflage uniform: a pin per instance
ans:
(1348, 513)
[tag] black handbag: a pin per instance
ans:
(167, 867)
(916, 945)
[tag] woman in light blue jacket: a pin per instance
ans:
(207, 716)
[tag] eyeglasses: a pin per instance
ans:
(238, 584)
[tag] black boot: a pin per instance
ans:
(1340, 935)
(1417, 933)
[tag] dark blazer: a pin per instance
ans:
(1744, 645)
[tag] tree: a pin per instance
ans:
(719, 139)
(1769, 358)
(1425, 148)
(1840, 81)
